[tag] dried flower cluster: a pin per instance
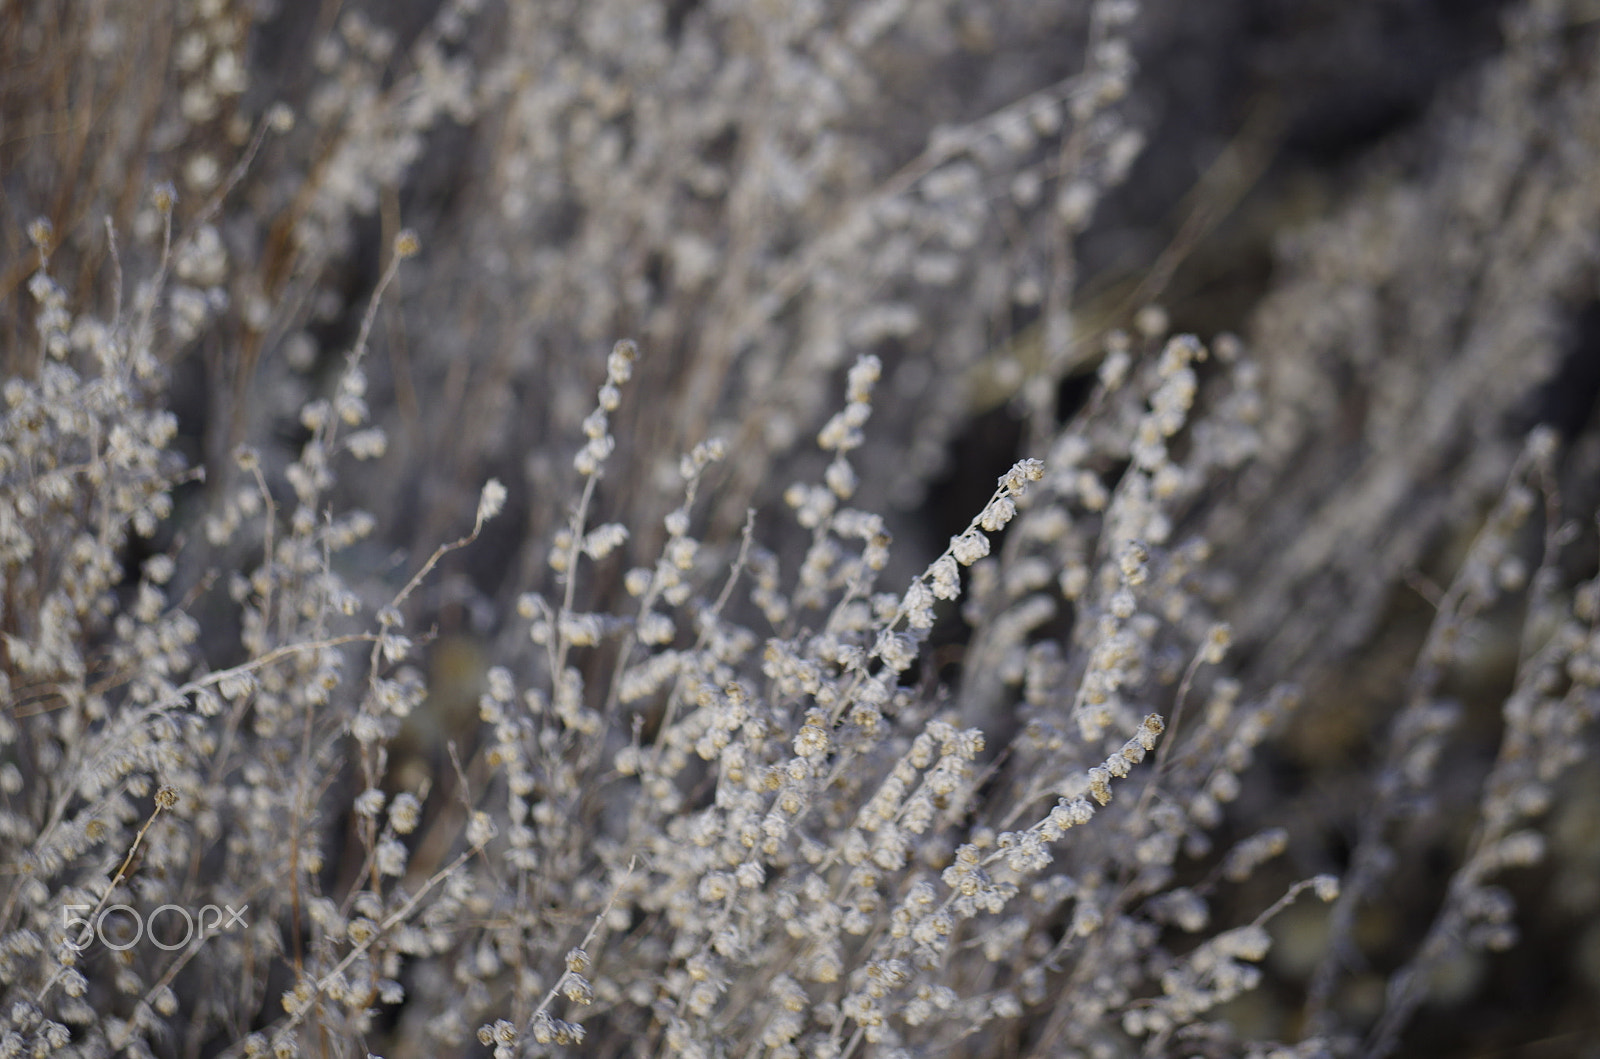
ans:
(387, 669)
